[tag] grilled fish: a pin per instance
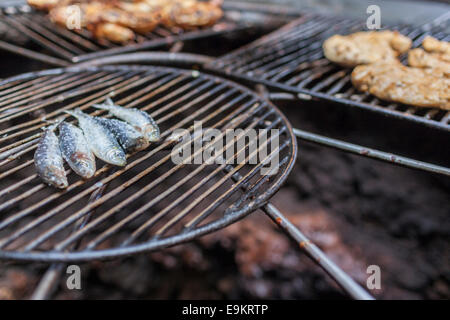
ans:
(128, 137)
(139, 119)
(48, 159)
(99, 139)
(75, 150)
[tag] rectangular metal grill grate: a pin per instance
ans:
(291, 59)
(60, 46)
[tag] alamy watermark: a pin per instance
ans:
(373, 22)
(231, 146)
(73, 281)
(374, 279)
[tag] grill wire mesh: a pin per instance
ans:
(152, 202)
(291, 59)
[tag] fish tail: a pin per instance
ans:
(53, 124)
(109, 101)
(72, 113)
(102, 106)
(75, 113)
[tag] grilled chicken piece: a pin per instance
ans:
(421, 59)
(140, 6)
(191, 14)
(109, 18)
(393, 81)
(45, 4)
(116, 19)
(435, 55)
(62, 15)
(112, 32)
(365, 47)
(434, 45)
(137, 21)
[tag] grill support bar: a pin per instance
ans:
(313, 251)
(49, 281)
(370, 153)
(32, 54)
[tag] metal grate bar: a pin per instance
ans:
(20, 96)
(86, 86)
(63, 32)
(61, 52)
(50, 35)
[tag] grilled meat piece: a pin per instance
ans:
(421, 59)
(436, 55)
(434, 45)
(365, 47)
(115, 20)
(46, 4)
(107, 15)
(393, 81)
(107, 12)
(190, 14)
(63, 16)
(111, 32)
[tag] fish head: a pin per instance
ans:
(85, 164)
(151, 133)
(141, 144)
(116, 156)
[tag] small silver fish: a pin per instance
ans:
(48, 159)
(75, 150)
(128, 137)
(139, 119)
(100, 140)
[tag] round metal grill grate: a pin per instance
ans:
(152, 202)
